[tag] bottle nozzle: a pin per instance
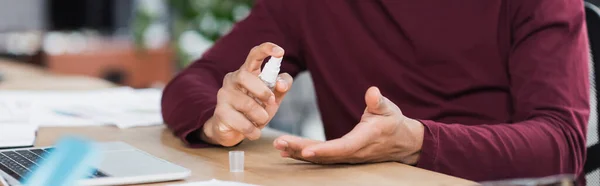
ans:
(270, 71)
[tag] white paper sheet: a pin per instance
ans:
(17, 134)
(124, 107)
(15, 128)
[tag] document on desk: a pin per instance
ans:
(17, 135)
(124, 107)
(15, 129)
(214, 182)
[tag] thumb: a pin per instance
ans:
(376, 103)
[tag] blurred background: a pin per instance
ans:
(136, 43)
(140, 44)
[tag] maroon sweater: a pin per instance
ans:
(500, 85)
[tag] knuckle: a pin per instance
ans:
(265, 94)
(219, 113)
(263, 119)
(228, 76)
(249, 105)
(218, 110)
(254, 50)
(247, 128)
(266, 45)
(229, 79)
(259, 118)
(221, 94)
(240, 76)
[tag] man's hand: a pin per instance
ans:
(383, 134)
(245, 104)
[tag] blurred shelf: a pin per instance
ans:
(116, 61)
(19, 76)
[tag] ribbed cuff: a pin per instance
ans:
(191, 135)
(429, 150)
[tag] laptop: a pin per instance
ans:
(122, 164)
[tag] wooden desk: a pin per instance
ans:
(263, 164)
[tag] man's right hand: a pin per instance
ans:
(245, 104)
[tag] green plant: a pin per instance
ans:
(211, 19)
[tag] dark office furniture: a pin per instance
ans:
(593, 24)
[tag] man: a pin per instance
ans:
(482, 90)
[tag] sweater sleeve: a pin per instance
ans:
(189, 99)
(548, 70)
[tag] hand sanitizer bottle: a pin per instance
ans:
(270, 72)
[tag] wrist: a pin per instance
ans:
(417, 129)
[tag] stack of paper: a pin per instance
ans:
(17, 135)
(124, 107)
(15, 129)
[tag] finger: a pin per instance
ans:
(243, 103)
(350, 143)
(294, 153)
(255, 86)
(284, 84)
(293, 144)
(280, 144)
(377, 103)
(258, 54)
(230, 119)
(319, 160)
(284, 154)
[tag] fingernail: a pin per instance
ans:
(285, 154)
(283, 83)
(283, 143)
(277, 50)
(309, 154)
(380, 95)
(272, 100)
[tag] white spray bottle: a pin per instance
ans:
(270, 72)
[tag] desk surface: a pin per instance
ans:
(263, 164)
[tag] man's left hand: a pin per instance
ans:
(383, 134)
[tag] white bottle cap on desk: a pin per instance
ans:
(236, 161)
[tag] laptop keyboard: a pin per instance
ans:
(18, 163)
